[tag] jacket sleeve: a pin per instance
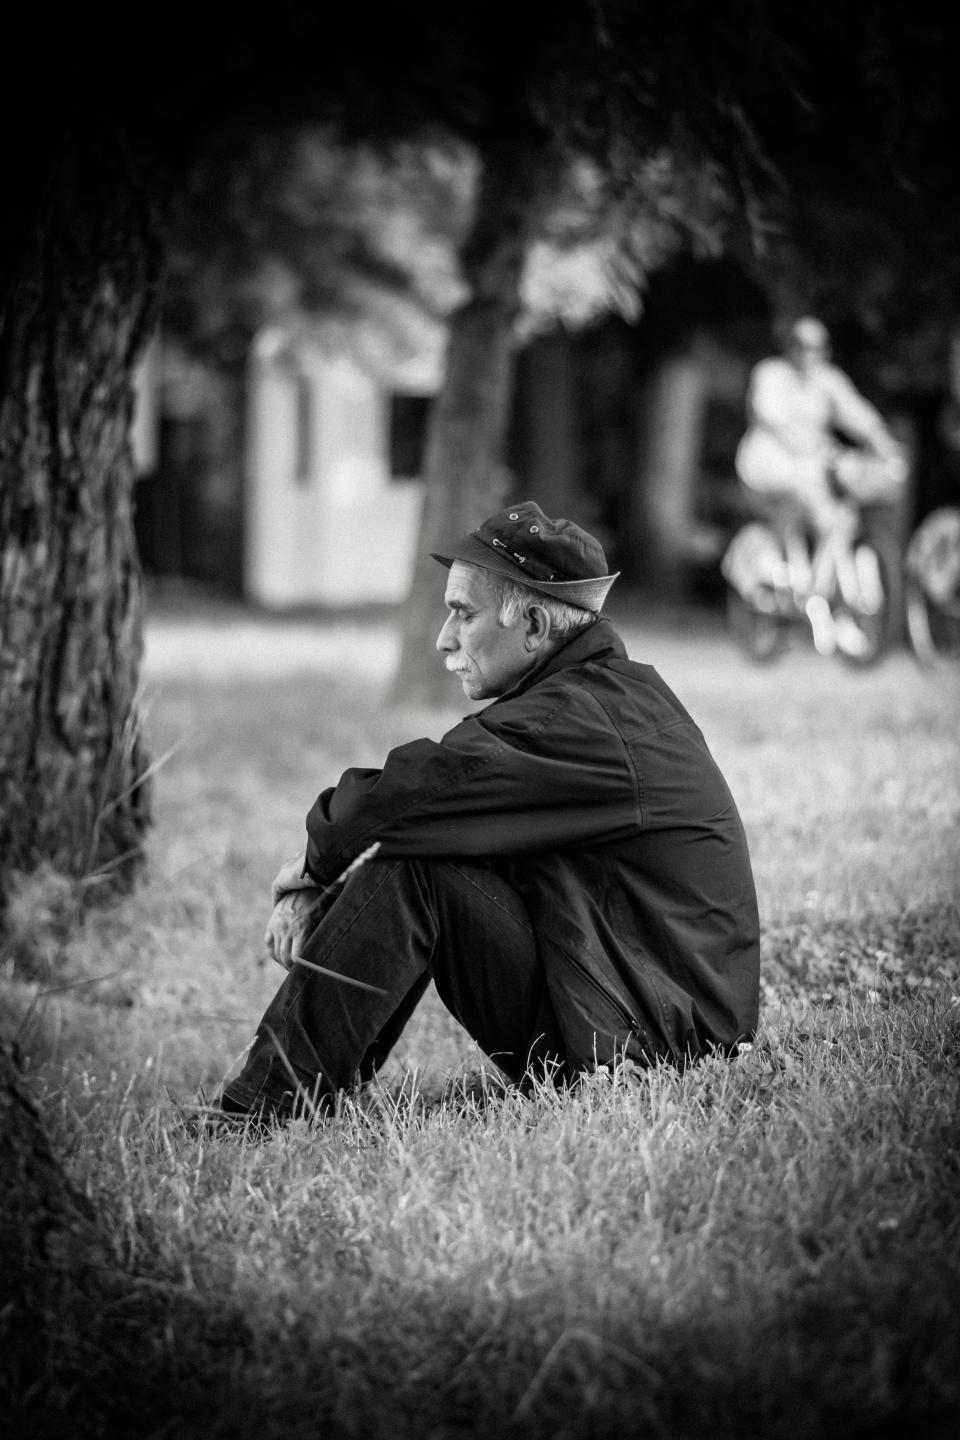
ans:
(525, 776)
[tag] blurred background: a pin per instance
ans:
(285, 400)
(636, 199)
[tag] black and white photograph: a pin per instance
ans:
(480, 720)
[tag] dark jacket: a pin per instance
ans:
(592, 790)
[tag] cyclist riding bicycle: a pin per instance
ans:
(815, 450)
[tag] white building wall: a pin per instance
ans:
(344, 534)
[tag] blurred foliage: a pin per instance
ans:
(816, 140)
(275, 224)
(814, 143)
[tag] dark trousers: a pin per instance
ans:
(395, 925)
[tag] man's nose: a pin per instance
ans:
(446, 640)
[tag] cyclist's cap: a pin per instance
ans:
(553, 557)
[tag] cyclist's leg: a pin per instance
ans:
(794, 534)
(835, 526)
(785, 516)
(817, 505)
(789, 482)
(837, 591)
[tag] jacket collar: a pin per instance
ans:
(598, 642)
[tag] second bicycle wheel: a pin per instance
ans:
(932, 587)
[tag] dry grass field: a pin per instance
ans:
(765, 1248)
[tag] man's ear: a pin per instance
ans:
(536, 626)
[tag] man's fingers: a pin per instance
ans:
(277, 938)
(290, 878)
(291, 924)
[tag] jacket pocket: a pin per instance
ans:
(597, 1024)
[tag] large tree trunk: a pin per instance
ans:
(43, 1218)
(463, 466)
(76, 298)
(50, 1246)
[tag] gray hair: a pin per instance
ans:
(512, 598)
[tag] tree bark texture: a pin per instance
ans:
(464, 471)
(51, 1247)
(44, 1219)
(74, 307)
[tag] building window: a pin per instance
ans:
(303, 402)
(409, 415)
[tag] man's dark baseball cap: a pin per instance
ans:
(553, 557)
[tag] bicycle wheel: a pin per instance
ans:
(760, 635)
(932, 587)
(862, 620)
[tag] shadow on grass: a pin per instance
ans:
(85, 1357)
(864, 1352)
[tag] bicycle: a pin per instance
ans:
(770, 560)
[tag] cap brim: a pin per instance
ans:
(586, 594)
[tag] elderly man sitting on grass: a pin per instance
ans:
(567, 864)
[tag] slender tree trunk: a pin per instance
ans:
(549, 423)
(74, 306)
(463, 467)
(659, 515)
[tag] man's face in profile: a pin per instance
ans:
(490, 658)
